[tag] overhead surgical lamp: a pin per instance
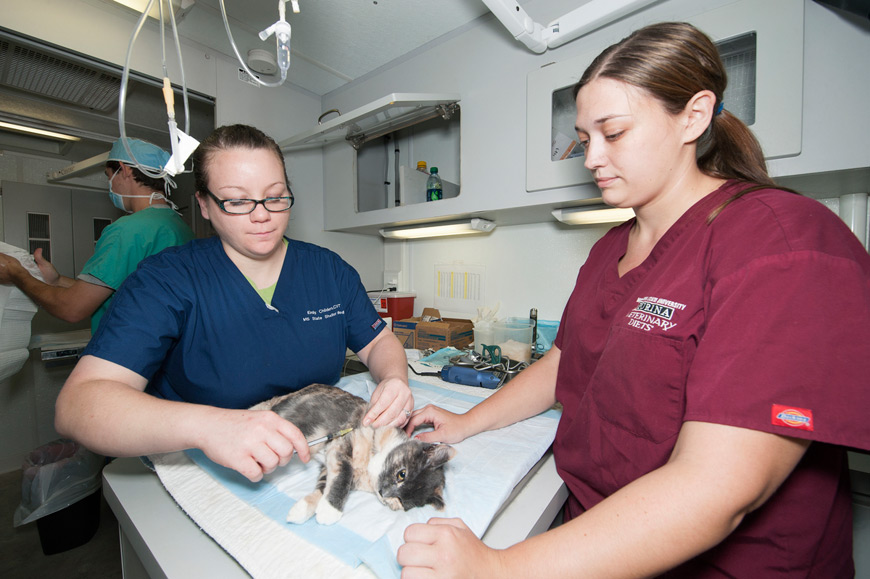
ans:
(444, 228)
(583, 20)
(592, 214)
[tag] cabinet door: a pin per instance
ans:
(64, 222)
(761, 44)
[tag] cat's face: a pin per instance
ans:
(413, 475)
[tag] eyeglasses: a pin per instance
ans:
(245, 206)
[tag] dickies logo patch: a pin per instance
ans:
(791, 417)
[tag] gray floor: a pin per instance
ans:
(21, 551)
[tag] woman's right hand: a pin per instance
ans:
(252, 442)
(449, 427)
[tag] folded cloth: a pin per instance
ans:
(248, 519)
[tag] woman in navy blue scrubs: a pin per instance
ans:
(200, 333)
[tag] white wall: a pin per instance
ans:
(535, 265)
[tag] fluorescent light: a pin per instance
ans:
(463, 227)
(592, 214)
(35, 131)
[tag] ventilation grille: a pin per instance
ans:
(99, 225)
(39, 233)
(58, 78)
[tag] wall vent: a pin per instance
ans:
(39, 233)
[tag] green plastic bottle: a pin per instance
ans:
(434, 190)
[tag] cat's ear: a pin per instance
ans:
(438, 454)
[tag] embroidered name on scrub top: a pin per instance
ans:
(323, 313)
(652, 312)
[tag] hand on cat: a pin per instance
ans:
(389, 403)
(448, 426)
(253, 443)
(446, 548)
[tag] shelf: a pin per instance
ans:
(385, 115)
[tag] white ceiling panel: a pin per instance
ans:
(333, 41)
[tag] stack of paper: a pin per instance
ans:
(16, 312)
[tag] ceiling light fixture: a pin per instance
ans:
(179, 7)
(592, 15)
(593, 214)
(462, 227)
(34, 131)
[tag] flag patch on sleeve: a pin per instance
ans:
(791, 417)
(377, 324)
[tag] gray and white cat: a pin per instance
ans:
(402, 472)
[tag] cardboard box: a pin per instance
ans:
(406, 331)
(444, 332)
(415, 333)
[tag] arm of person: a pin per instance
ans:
(531, 392)
(70, 300)
(716, 475)
(104, 407)
(385, 358)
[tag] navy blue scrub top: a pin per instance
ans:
(189, 322)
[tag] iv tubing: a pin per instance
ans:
(239, 56)
(125, 80)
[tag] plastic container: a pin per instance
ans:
(421, 166)
(547, 330)
(434, 188)
(513, 336)
(395, 305)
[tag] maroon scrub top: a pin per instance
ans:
(757, 319)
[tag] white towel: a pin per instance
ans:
(16, 312)
(247, 519)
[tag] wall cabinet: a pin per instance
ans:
(761, 44)
(65, 223)
(371, 155)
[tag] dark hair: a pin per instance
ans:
(231, 137)
(138, 176)
(673, 61)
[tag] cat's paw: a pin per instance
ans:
(300, 512)
(327, 514)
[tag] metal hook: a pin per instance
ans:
(320, 118)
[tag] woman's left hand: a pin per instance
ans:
(446, 548)
(391, 404)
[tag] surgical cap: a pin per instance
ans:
(147, 155)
